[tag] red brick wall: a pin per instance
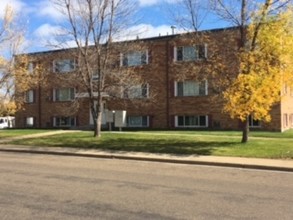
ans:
(160, 74)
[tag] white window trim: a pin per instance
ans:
(54, 95)
(28, 119)
(191, 126)
(61, 72)
(141, 97)
(175, 54)
(95, 77)
(31, 67)
(27, 94)
(176, 88)
(250, 123)
(147, 58)
(205, 53)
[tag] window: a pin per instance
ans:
(285, 120)
(138, 92)
(64, 94)
(191, 88)
(252, 122)
(191, 121)
(31, 67)
(63, 66)
(135, 58)
(64, 121)
(30, 96)
(138, 121)
(95, 76)
(29, 122)
(189, 53)
(291, 120)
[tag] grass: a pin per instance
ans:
(260, 145)
(261, 134)
(7, 133)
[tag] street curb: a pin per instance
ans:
(151, 159)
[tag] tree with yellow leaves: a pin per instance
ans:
(266, 65)
(11, 39)
(7, 108)
(260, 52)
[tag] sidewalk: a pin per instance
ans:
(238, 162)
(28, 136)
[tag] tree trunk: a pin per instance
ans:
(245, 131)
(98, 125)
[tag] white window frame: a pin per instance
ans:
(95, 76)
(29, 121)
(192, 126)
(64, 70)
(30, 96)
(196, 50)
(138, 126)
(291, 120)
(55, 120)
(57, 99)
(251, 122)
(285, 120)
(31, 67)
(122, 56)
(129, 93)
(198, 82)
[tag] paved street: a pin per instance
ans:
(58, 187)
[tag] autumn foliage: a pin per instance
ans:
(266, 67)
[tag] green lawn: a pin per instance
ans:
(6, 133)
(260, 145)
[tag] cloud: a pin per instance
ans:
(51, 37)
(45, 35)
(146, 31)
(47, 30)
(17, 6)
(146, 3)
(47, 9)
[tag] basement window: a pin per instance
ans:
(64, 121)
(138, 121)
(191, 121)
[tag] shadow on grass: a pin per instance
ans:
(178, 147)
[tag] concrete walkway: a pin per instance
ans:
(43, 134)
(239, 162)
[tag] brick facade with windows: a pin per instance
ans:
(176, 92)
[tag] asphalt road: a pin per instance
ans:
(58, 187)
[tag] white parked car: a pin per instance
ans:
(7, 122)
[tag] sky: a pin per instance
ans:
(41, 20)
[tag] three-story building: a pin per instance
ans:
(178, 89)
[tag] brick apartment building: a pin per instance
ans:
(183, 96)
